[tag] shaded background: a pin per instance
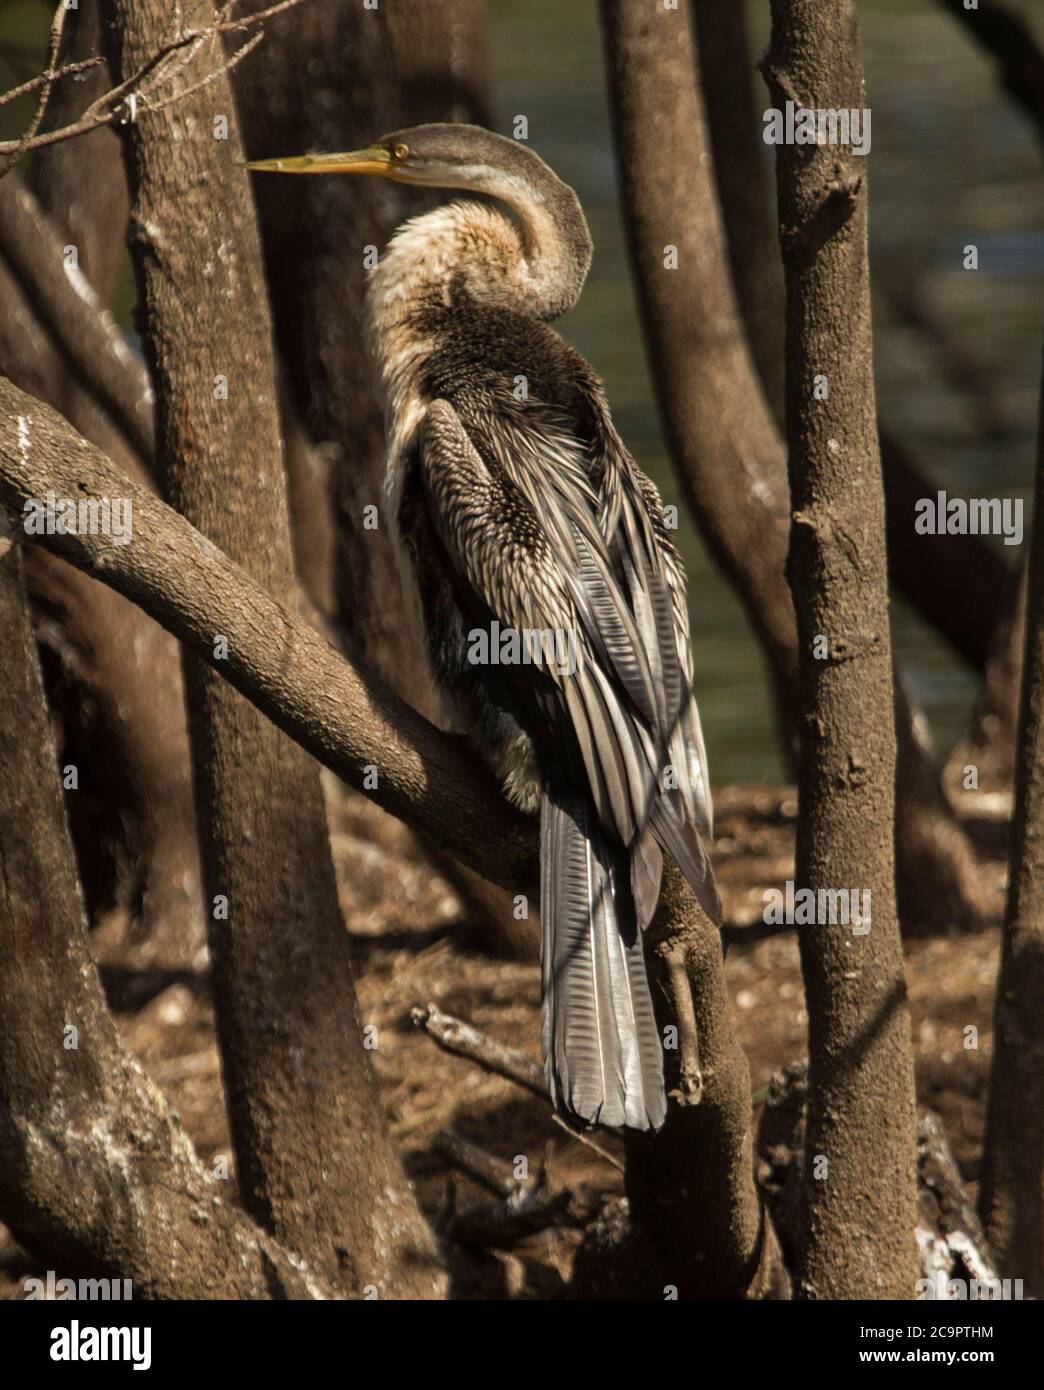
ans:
(953, 162)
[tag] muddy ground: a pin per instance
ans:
(410, 949)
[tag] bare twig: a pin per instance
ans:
(495, 1174)
(588, 1143)
(57, 25)
(211, 76)
(502, 1224)
(527, 1205)
(464, 1040)
(42, 79)
(134, 95)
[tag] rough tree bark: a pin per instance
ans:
(315, 1162)
(1011, 1195)
(95, 1171)
(113, 675)
(724, 442)
(698, 1218)
(860, 1162)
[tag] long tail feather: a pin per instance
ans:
(602, 1047)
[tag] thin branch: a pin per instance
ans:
(464, 1040)
(57, 25)
(526, 1206)
(45, 78)
(128, 99)
(211, 77)
(589, 1143)
(504, 1223)
(495, 1174)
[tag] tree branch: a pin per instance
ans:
(343, 715)
(463, 1040)
(57, 25)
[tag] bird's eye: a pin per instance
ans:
(400, 152)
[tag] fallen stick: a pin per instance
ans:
(455, 1036)
(526, 1206)
(462, 1039)
(496, 1174)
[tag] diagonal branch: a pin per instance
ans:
(47, 79)
(49, 75)
(344, 716)
(350, 721)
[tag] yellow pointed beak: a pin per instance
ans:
(371, 161)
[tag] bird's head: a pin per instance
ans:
(468, 157)
(438, 156)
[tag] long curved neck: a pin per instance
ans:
(555, 239)
(535, 266)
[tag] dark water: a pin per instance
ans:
(952, 163)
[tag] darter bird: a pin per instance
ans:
(513, 502)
